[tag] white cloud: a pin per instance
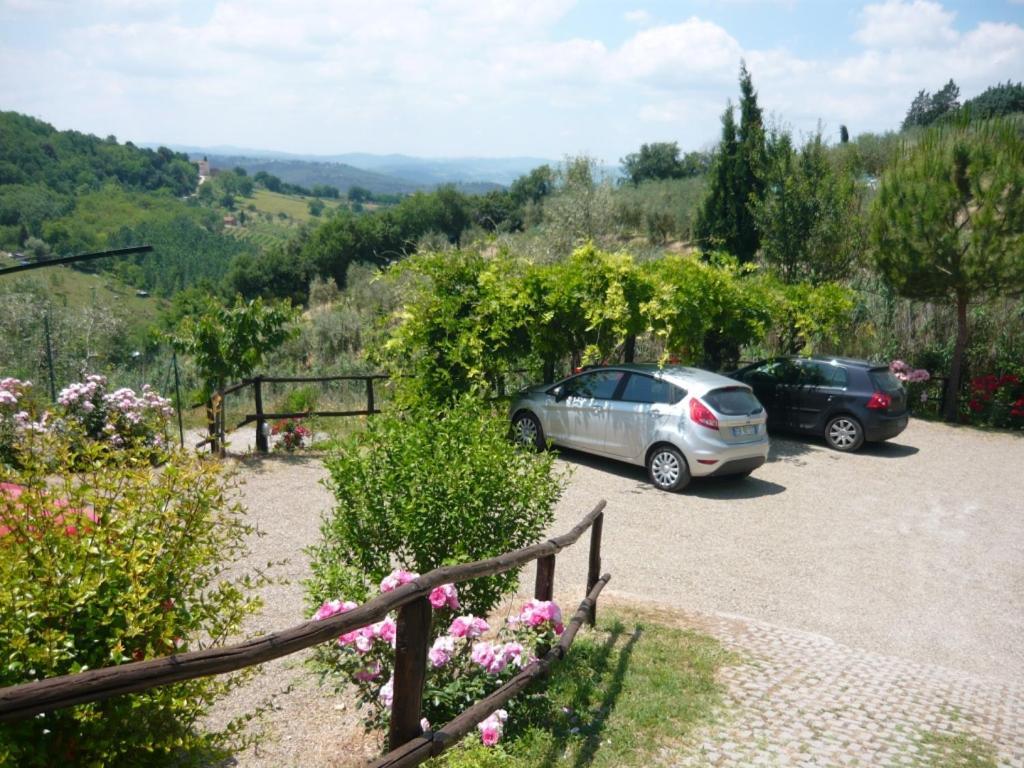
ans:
(467, 76)
(899, 24)
(678, 55)
(642, 17)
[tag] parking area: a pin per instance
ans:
(912, 548)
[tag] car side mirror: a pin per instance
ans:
(559, 393)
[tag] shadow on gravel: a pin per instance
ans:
(791, 448)
(888, 450)
(259, 464)
(732, 488)
(704, 487)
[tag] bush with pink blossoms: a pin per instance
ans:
(466, 661)
(15, 418)
(122, 418)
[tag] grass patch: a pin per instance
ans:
(627, 690)
(961, 750)
(295, 206)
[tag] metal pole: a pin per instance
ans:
(177, 397)
(49, 357)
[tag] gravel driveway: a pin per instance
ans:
(912, 548)
(907, 553)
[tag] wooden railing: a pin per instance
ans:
(409, 745)
(215, 407)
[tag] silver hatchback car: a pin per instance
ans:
(678, 422)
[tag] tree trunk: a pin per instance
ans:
(952, 395)
(629, 352)
(549, 371)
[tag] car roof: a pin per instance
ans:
(693, 380)
(850, 362)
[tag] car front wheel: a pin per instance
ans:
(526, 431)
(667, 469)
(844, 433)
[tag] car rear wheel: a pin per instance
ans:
(844, 433)
(526, 431)
(667, 469)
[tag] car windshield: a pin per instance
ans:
(732, 401)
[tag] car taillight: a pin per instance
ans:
(701, 414)
(879, 401)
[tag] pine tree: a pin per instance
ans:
(948, 222)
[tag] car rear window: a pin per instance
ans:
(732, 401)
(646, 389)
(884, 379)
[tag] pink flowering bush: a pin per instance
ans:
(466, 661)
(121, 418)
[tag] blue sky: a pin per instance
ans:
(542, 78)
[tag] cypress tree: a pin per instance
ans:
(725, 220)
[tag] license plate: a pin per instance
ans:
(748, 430)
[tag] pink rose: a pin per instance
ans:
(397, 578)
(441, 652)
(332, 608)
(468, 626)
(492, 727)
(445, 595)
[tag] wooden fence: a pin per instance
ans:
(215, 408)
(408, 743)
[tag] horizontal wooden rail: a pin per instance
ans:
(19, 702)
(346, 377)
(417, 750)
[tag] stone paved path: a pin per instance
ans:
(800, 699)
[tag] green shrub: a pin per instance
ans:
(425, 489)
(119, 562)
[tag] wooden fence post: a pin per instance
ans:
(594, 570)
(212, 422)
(262, 444)
(369, 395)
(222, 447)
(544, 586)
(411, 640)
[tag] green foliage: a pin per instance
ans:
(462, 325)
(468, 320)
(661, 160)
(34, 152)
(429, 488)
(228, 343)
(928, 108)
(582, 207)
(736, 180)
(534, 186)
(661, 210)
(809, 216)
(121, 562)
(693, 298)
(948, 222)
(996, 101)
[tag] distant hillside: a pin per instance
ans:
(442, 170)
(308, 174)
(471, 174)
